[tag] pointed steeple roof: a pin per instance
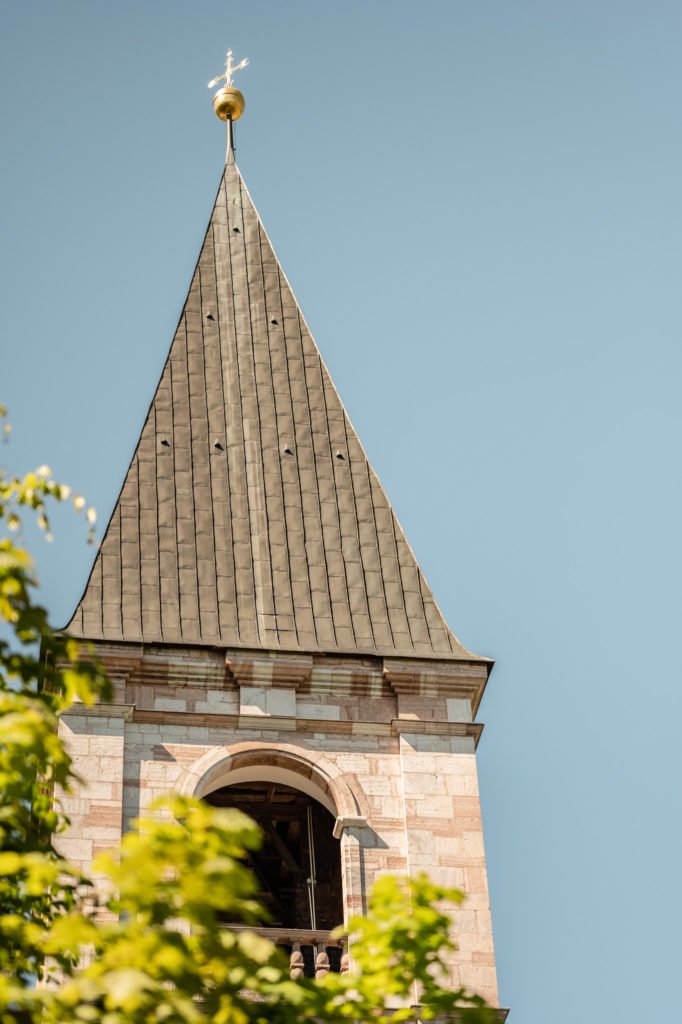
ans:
(250, 515)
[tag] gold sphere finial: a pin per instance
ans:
(228, 102)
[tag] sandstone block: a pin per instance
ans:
(169, 704)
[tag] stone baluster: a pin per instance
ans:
(321, 963)
(296, 962)
(345, 962)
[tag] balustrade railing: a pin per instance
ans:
(312, 954)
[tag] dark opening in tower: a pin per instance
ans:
(299, 864)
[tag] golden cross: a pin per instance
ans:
(230, 69)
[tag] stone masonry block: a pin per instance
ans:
(458, 709)
(169, 704)
(252, 700)
(281, 702)
(325, 712)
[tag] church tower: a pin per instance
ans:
(272, 640)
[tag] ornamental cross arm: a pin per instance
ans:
(229, 71)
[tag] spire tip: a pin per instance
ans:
(228, 102)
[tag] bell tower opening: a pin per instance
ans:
(298, 865)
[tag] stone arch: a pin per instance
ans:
(221, 766)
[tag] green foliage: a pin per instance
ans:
(162, 955)
(398, 950)
(36, 886)
(147, 943)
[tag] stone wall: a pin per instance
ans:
(389, 748)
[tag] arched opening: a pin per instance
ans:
(299, 864)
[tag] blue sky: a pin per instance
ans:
(478, 206)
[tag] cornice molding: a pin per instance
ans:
(124, 711)
(289, 671)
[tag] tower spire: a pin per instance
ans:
(229, 102)
(250, 516)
